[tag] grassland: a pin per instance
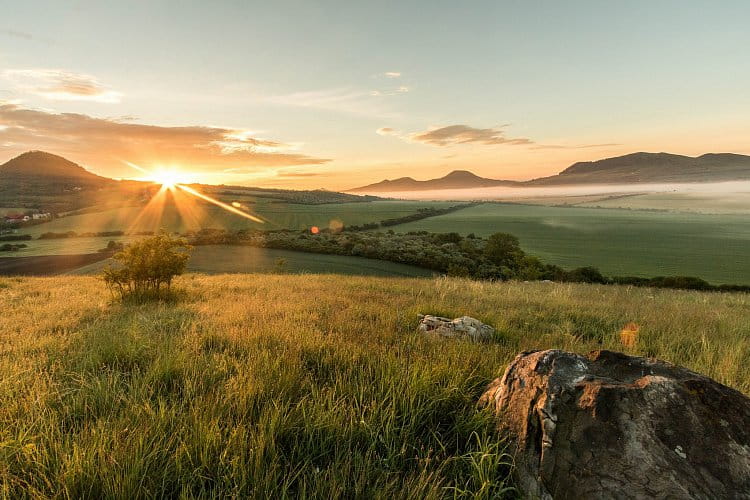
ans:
(282, 386)
(619, 242)
(202, 215)
(217, 259)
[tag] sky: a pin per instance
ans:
(338, 94)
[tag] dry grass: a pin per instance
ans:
(274, 385)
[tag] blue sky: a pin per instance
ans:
(337, 94)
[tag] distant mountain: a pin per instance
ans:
(629, 169)
(37, 172)
(458, 179)
(653, 168)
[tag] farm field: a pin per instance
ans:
(729, 203)
(289, 386)
(618, 242)
(203, 215)
(218, 259)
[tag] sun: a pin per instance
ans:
(168, 178)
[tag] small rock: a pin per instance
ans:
(462, 327)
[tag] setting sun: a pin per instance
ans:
(168, 178)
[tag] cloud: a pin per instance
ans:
(106, 142)
(464, 134)
(61, 85)
(386, 131)
(392, 74)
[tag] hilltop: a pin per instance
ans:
(286, 386)
(635, 168)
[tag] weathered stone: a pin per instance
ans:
(615, 426)
(462, 327)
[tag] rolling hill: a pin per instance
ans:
(635, 168)
(458, 179)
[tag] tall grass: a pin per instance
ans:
(287, 386)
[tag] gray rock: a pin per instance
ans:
(615, 426)
(463, 327)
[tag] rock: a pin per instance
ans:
(615, 426)
(462, 327)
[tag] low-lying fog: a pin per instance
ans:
(739, 189)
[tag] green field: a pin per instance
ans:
(618, 242)
(216, 259)
(202, 215)
(269, 386)
(726, 203)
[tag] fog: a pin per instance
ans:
(718, 189)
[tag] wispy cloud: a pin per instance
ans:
(105, 142)
(58, 84)
(464, 134)
(392, 74)
(386, 131)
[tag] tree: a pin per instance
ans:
(147, 267)
(503, 249)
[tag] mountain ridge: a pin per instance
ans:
(633, 168)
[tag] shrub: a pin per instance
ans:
(146, 268)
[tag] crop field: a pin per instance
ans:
(199, 215)
(618, 242)
(218, 259)
(706, 203)
(282, 386)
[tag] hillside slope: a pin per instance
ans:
(278, 386)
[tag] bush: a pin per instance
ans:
(146, 268)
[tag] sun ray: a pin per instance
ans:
(190, 213)
(221, 204)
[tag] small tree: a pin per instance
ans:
(147, 267)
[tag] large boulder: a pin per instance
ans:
(463, 327)
(615, 426)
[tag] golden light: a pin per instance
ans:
(168, 178)
(175, 182)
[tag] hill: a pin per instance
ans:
(37, 172)
(633, 168)
(278, 386)
(653, 168)
(458, 179)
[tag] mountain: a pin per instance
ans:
(37, 172)
(638, 168)
(633, 168)
(458, 179)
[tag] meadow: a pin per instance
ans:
(198, 215)
(618, 242)
(283, 386)
(217, 259)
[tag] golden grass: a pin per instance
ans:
(280, 385)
